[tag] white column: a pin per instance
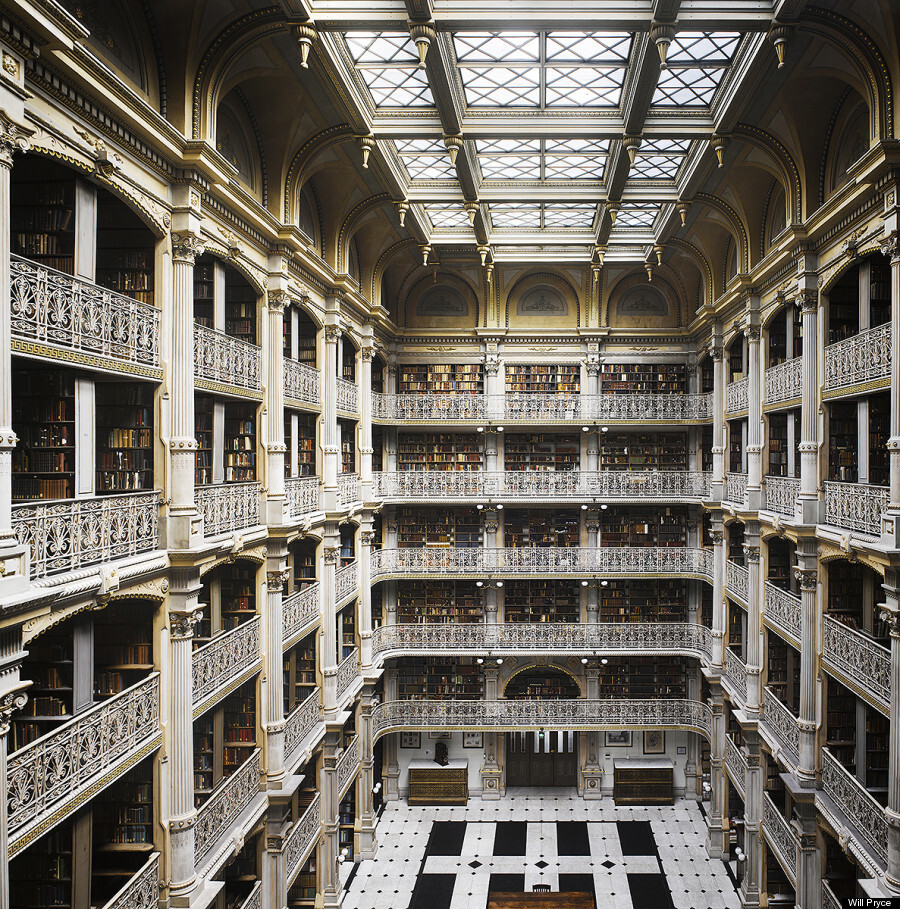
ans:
(592, 600)
(274, 358)
(891, 248)
(364, 601)
(720, 607)
(494, 382)
(366, 354)
(754, 618)
(276, 576)
(717, 354)
(331, 450)
(331, 550)
(809, 411)
(890, 612)
(366, 845)
(716, 836)
(754, 418)
(753, 810)
(809, 659)
(329, 804)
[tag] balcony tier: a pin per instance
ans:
(222, 362)
(222, 664)
(228, 507)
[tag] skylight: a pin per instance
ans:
(659, 159)
(542, 159)
(425, 159)
(636, 216)
(389, 65)
(446, 217)
(549, 216)
(696, 64)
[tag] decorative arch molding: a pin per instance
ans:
(303, 157)
(699, 259)
(260, 149)
(421, 287)
(235, 38)
(258, 279)
(674, 298)
(834, 272)
(351, 222)
(256, 556)
(829, 552)
(550, 664)
(783, 159)
(382, 264)
(864, 54)
(554, 280)
(770, 313)
(738, 230)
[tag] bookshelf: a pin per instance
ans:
(241, 873)
(781, 346)
(707, 375)
(42, 875)
(541, 451)
(304, 556)
(843, 306)
(542, 601)
(50, 666)
(845, 593)
(780, 564)
(736, 360)
(43, 461)
(879, 432)
(783, 671)
(459, 378)
(439, 602)
(706, 446)
(643, 677)
(124, 412)
(737, 622)
(523, 527)
(239, 713)
(378, 375)
(306, 444)
(439, 678)
(123, 647)
(348, 445)
(840, 735)
(439, 527)
(348, 545)
(299, 672)
(240, 442)
(240, 307)
(778, 444)
(348, 361)
(879, 290)
(556, 378)
(877, 752)
(125, 250)
(643, 451)
(206, 772)
(378, 459)
(735, 446)
(735, 543)
(204, 292)
(306, 340)
(842, 441)
(643, 378)
(347, 628)
(346, 822)
(440, 451)
(651, 600)
(541, 684)
(302, 894)
(42, 214)
(238, 593)
(641, 526)
(203, 421)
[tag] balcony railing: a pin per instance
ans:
(857, 659)
(737, 580)
(301, 840)
(299, 610)
(426, 485)
(254, 898)
(782, 609)
(737, 396)
(299, 723)
(302, 382)
(223, 660)
(348, 489)
(862, 358)
(855, 506)
(221, 358)
(552, 407)
(780, 837)
(603, 561)
(736, 764)
(347, 672)
(302, 495)
(736, 672)
(49, 307)
(228, 507)
(736, 488)
(784, 381)
(781, 721)
(781, 495)
(142, 889)
(829, 900)
(346, 580)
(230, 798)
(390, 641)
(347, 397)
(851, 798)
(82, 756)
(66, 536)
(656, 407)
(513, 715)
(427, 407)
(347, 765)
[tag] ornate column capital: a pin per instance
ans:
(592, 526)
(278, 301)
(367, 537)
(275, 580)
(890, 247)
(181, 624)
(592, 364)
(186, 246)
(751, 552)
(331, 554)
(891, 618)
(753, 333)
(332, 334)
(808, 300)
(491, 364)
(717, 537)
(716, 352)
(807, 578)
(367, 354)
(13, 138)
(9, 703)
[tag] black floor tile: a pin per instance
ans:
(433, 891)
(636, 838)
(650, 890)
(580, 883)
(572, 838)
(507, 883)
(510, 838)
(446, 838)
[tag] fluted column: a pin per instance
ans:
(329, 847)
(692, 772)
(491, 598)
(364, 624)
(366, 355)
(276, 577)
(592, 769)
(366, 844)
(753, 810)
(592, 451)
(754, 418)
(491, 772)
(809, 851)
(891, 248)
(809, 410)
(275, 446)
(331, 450)
(390, 765)
(717, 355)
(592, 594)
(719, 604)
(716, 836)
(809, 648)
(494, 385)
(329, 656)
(591, 372)
(890, 612)
(754, 618)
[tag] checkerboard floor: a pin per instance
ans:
(449, 858)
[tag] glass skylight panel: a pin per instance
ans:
(502, 146)
(573, 167)
(523, 215)
(702, 47)
(501, 86)
(636, 215)
(398, 87)
(388, 64)
(542, 159)
(577, 146)
(511, 167)
(381, 47)
(497, 47)
(664, 146)
(557, 215)
(659, 159)
(447, 217)
(425, 159)
(583, 86)
(696, 65)
(589, 47)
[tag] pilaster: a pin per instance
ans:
(808, 500)
(806, 574)
(275, 446)
(276, 577)
(720, 605)
(753, 812)
(329, 847)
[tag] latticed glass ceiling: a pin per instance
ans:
(542, 159)
(696, 64)
(389, 65)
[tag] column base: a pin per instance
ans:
(591, 780)
(366, 844)
(716, 842)
(491, 784)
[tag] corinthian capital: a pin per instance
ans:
(278, 300)
(332, 333)
(806, 577)
(275, 580)
(9, 703)
(181, 624)
(808, 300)
(13, 138)
(367, 353)
(891, 248)
(186, 246)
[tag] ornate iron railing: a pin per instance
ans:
(608, 561)
(829, 900)
(531, 407)
(347, 671)
(737, 580)
(299, 723)
(736, 671)
(66, 536)
(49, 307)
(302, 495)
(782, 609)
(427, 407)
(856, 506)
(346, 580)
(860, 660)
(221, 358)
(781, 495)
(302, 382)
(862, 358)
(657, 407)
(781, 839)
(301, 840)
(736, 764)
(784, 381)
(254, 898)
(299, 609)
(737, 395)
(735, 488)
(141, 891)
(781, 721)
(224, 807)
(228, 507)
(348, 489)
(85, 753)
(851, 798)
(347, 396)
(513, 715)
(347, 765)
(223, 659)
(390, 641)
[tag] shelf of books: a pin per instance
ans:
(541, 451)
(348, 362)
(439, 679)
(239, 727)
(43, 461)
(735, 453)
(204, 291)
(439, 602)
(41, 876)
(124, 436)
(440, 451)
(241, 873)
(840, 730)
(651, 600)
(50, 667)
(447, 527)
(207, 762)
(877, 751)
(643, 451)
(348, 545)
(348, 446)
(240, 442)
(879, 431)
(846, 593)
(783, 670)
(636, 526)
(843, 441)
(126, 250)
(203, 421)
(299, 672)
(123, 646)
(643, 378)
(562, 378)
(458, 378)
(542, 684)
(238, 587)
(307, 334)
(526, 527)
(346, 823)
(306, 444)
(304, 556)
(778, 444)
(347, 629)
(542, 601)
(737, 624)
(302, 894)
(643, 677)
(240, 307)
(779, 349)
(42, 214)
(736, 360)
(780, 563)
(879, 290)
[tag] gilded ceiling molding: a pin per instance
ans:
(738, 232)
(351, 222)
(304, 156)
(779, 152)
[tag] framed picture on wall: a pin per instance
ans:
(410, 739)
(620, 739)
(654, 741)
(473, 740)
(440, 734)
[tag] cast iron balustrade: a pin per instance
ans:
(302, 494)
(347, 398)
(302, 382)
(858, 660)
(856, 506)
(52, 774)
(781, 495)
(254, 899)
(829, 900)
(861, 358)
(223, 660)
(52, 308)
(737, 396)
(428, 407)
(223, 359)
(658, 408)
(299, 723)
(141, 891)
(346, 580)
(301, 840)
(348, 489)
(347, 672)
(553, 407)
(784, 381)
(347, 765)
(781, 838)
(781, 721)
(68, 535)
(782, 609)
(228, 507)
(299, 610)
(736, 764)
(736, 672)
(737, 580)
(735, 489)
